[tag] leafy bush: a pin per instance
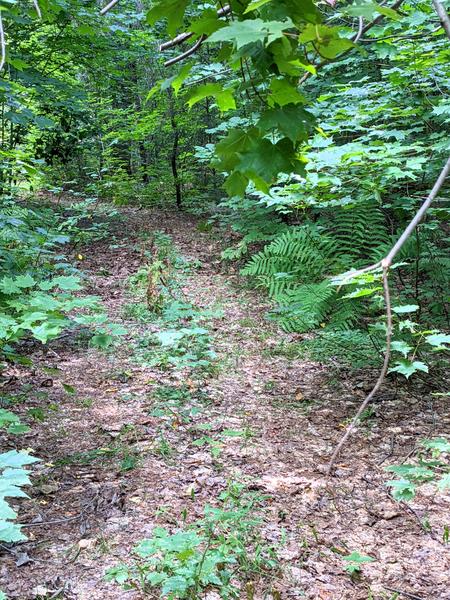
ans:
(12, 478)
(213, 552)
(38, 289)
(431, 465)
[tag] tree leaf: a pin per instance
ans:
(408, 368)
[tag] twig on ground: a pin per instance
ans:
(64, 520)
(402, 593)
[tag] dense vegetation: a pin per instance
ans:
(306, 134)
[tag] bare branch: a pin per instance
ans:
(386, 264)
(382, 375)
(191, 50)
(182, 37)
(176, 40)
(419, 215)
(360, 30)
(443, 16)
(37, 8)
(108, 7)
(2, 43)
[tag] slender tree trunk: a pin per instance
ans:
(174, 154)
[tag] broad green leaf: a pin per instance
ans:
(8, 285)
(292, 120)
(326, 40)
(361, 292)
(6, 512)
(175, 586)
(438, 340)
(207, 24)
(250, 31)
(406, 308)
(402, 347)
(25, 281)
(177, 80)
(439, 444)
(282, 93)
(255, 4)
(172, 10)
(16, 459)
(356, 557)
(101, 340)
(402, 489)
(224, 97)
(368, 8)
(10, 532)
(45, 332)
(170, 337)
(444, 482)
(408, 368)
(68, 283)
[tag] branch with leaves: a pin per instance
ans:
(385, 264)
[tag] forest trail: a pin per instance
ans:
(116, 463)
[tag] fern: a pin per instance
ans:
(358, 232)
(299, 255)
(306, 306)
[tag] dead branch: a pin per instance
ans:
(386, 264)
(191, 50)
(382, 375)
(360, 30)
(443, 16)
(182, 37)
(356, 38)
(2, 43)
(37, 8)
(108, 7)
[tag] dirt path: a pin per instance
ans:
(113, 468)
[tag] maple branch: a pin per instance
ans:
(386, 264)
(361, 31)
(443, 16)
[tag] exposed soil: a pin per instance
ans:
(86, 512)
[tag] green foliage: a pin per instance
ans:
(352, 348)
(431, 465)
(208, 554)
(182, 348)
(38, 287)
(293, 268)
(12, 478)
(354, 562)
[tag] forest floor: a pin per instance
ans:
(113, 467)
